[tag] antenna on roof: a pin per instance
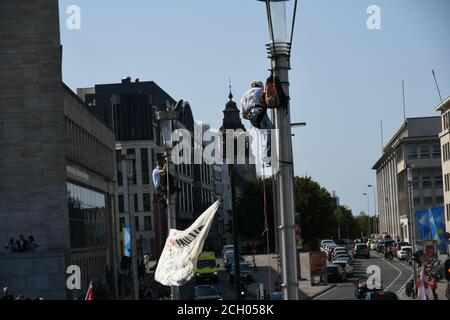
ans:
(382, 142)
(404, 102)
(437, 86)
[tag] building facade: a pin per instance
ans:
(415, 145)
(444, 109)
(56, 164)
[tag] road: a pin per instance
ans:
(394, 276)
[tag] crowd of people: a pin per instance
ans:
(8, 296)
(21, 244)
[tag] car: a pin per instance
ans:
(226, 249)
(361, 288)
(397, 246)
(277, 295)
(335, 273)
(206, 292)
(207, 267)
(404, 252)
(342, 256)
(361, 250)
(323, 242)
(345, 265)
(380, 295)
(373, 244)
(230, 261)
(245, 271)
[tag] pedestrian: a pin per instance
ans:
(21, 244)
(252, 109)
(156, 175)
(433, 286)
(9, 246)
(31, 245)
(7, 294)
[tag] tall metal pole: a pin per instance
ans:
(375, 206)
(368, 210)
(411, 220)
(237, 267)
(171, 223)
(285, 183)
(135, 282)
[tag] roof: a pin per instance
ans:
(443, 106)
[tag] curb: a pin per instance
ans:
(322, 292)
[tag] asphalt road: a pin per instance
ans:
(394, 276)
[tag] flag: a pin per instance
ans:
(422, 286)
(90, 292)
(178, 261)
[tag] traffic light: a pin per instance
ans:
(447, 269)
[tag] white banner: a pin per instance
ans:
(178, 262)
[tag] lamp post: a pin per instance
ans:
(368, 210)
(411, 220)
(375, 206)
(279, 50)
(165, 118)
(129, 162)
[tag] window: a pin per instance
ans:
(438, 181)
(426, 182)
(136, 202)
(439, 200)
(412, 151)
(424, 151)
(428, 201)
(415, 182)
(416, 202)
(146, 201)
(147, 223)
(119, 167)
(136, 223)
(121, 223)
(436, 150)
(145, 166)
(132, 151)
(121, 203)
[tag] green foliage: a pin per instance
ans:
(314, 209)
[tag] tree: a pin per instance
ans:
(250, 211)
(318, 217)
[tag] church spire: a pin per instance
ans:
(230, 96)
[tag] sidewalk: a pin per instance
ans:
(263, 272)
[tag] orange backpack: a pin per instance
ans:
(274, 97)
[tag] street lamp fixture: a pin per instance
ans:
(279, 50)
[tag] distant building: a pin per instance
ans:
(56, 164)
(243, 172)
(444, 108)
(416, 144)
(130, 109)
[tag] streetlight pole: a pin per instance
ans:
(411, 220)
(375, 206)
(279, 53)
(166, 118)
(129, 158)
(368, 210)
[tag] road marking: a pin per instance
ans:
(403, 287)
(398, 276)
(326, 292)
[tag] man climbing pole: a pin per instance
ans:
(252, 107)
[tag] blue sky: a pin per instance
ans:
(345, 78)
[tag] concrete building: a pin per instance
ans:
(444, 109)
(56, 163)
(416, 145)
